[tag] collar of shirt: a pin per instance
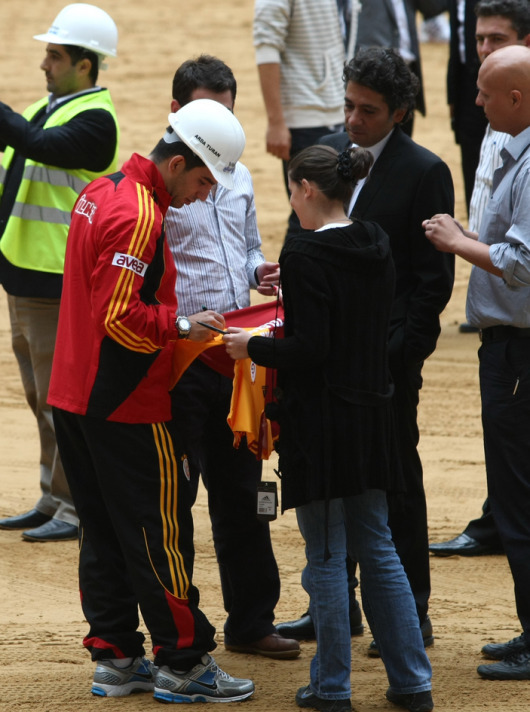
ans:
(518, 144)
(54, 101)
(376, 150)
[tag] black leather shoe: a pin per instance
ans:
(303, 628)
(54, 530)
(499, 651)
(33, 518)
(515, 667)
(426, 632)
(464, 545)
(305, 698)
(417, 702)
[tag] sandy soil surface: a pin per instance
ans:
(43, 665)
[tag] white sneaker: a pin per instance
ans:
(112, 681)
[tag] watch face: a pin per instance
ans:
(183, 325)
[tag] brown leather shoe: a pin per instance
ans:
(271, 646)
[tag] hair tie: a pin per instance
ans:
(344, 167)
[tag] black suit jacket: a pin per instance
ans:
(408, 184)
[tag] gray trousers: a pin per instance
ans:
(33, 332)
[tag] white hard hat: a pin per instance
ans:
(213, 133)
(86, 26)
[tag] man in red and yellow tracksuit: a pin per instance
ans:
(118, 329)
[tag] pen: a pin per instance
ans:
(213, 328)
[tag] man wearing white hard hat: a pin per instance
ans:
(51, 151)
(119, 327)
(216, 246)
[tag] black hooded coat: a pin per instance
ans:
(336, 423)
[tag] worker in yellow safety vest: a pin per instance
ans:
(51, 152)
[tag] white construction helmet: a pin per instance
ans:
(213, 133)
(86, 26)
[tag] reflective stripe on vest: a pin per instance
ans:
(36, 232)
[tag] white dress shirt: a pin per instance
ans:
(216, 246)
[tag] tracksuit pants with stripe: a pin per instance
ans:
(136, 539)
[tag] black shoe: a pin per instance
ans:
(514, 667)
(426, 633)
(30, 519)
(303, 628)
(464, 545)
(499, 651)
(466, 328)
(415, 702)
(305, 698)
(54, 530)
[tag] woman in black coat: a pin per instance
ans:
(336, 441)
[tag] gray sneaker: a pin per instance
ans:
(112, 681)
(205, 682)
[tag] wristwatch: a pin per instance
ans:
(183, 325)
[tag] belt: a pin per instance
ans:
(502, 333)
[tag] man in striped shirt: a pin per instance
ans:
(217, 250)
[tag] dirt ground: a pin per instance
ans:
(43, 665)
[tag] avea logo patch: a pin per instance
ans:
(129, 262)
(85, 207)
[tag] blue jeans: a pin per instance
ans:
(358, 526)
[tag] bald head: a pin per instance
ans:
(504, 89)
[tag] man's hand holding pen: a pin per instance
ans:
(205, 325)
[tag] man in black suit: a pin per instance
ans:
(467, 119)
(407, 183)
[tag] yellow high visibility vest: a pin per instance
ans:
(36, 231)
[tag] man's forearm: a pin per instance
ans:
(269, 78)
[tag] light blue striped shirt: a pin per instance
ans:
(216, 246)
(493, 300)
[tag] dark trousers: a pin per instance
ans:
(136, 539)
(505, 392)
(408, 512)
(483, 529)
(249, 574)
(470, 155)
(469, 125)
(300, 139)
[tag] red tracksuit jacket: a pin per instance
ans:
(116, 330)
